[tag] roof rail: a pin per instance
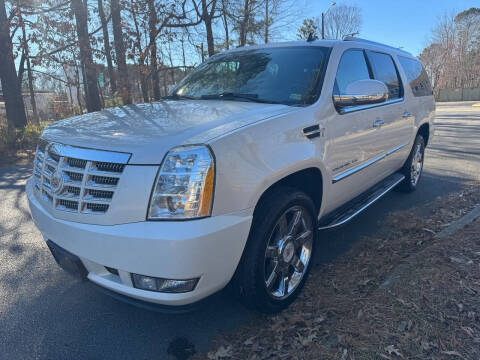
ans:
(353, 38)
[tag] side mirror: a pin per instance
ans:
(362, 92)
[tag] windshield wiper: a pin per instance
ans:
(234, 96)
(178, 97)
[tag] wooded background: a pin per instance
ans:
(84, 55)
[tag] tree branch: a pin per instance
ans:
(52, 76)
(66, 46)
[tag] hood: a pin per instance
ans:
(148, 131)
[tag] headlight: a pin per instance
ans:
(183, 188)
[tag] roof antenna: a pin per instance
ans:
(311, 37)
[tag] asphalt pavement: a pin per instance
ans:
(46, 314)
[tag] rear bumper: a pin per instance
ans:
(209, 249)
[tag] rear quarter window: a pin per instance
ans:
(417, 76)
(384, 70)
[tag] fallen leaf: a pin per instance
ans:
(453, 353)
(430, 231)
(360, 314)
(390, 349)
(306, 340)
(221, 353)
(249, 341)
(468, 330)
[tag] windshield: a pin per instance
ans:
(289, 75)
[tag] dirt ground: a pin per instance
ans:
(406, 294)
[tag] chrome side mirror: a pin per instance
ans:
(362, 92)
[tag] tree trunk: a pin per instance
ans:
(123, 83)
(244, 23)
(21, 69)
(33, 103)
(106, 45)
(12, 92)
(207, 19)
(225, 25)
(141, 56)
(152, 26)
(92, 95)
(79, 93)
(267, 25)
(183, 54)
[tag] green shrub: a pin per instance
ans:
(31, 134)
(114, 101)
(7, 137)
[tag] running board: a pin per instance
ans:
(348, 211)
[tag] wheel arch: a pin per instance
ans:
(424, 130)
(309, 180)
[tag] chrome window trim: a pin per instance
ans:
(350, 109)
(356, 169)
(89, 154)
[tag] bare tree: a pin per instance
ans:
(152, 29)
(342, 20)
(106, 47)
(123, 82)
(92, 94)
(12, 93)
(225, 23)
(26, 51)
(452, 58)
(207, 15)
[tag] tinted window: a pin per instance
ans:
(352, 67)
(416, 76)
(384, 70)
(279, 75)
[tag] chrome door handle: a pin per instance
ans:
(378, 123)
(406, 115)
(313, 131)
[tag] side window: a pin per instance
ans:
(416, 76)
(384, 70)
(352, 67)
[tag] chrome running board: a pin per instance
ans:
(348, 211)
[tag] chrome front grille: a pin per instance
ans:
(76, 179)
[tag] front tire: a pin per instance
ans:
(413, 166)
(278, 255)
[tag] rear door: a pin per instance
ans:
(396, 120)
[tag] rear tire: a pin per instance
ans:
(413, 167)
(278, 255)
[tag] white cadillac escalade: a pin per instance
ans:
(229, 179)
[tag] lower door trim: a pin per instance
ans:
(356, 169)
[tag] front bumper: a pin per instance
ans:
(209, 249)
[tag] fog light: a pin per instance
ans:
(163, 285)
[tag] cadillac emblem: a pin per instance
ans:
(57, 181)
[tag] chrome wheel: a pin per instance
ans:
(288, 252)
(416, 165)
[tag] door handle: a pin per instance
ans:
(378, 123)
(406, 115)
(313, 131)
